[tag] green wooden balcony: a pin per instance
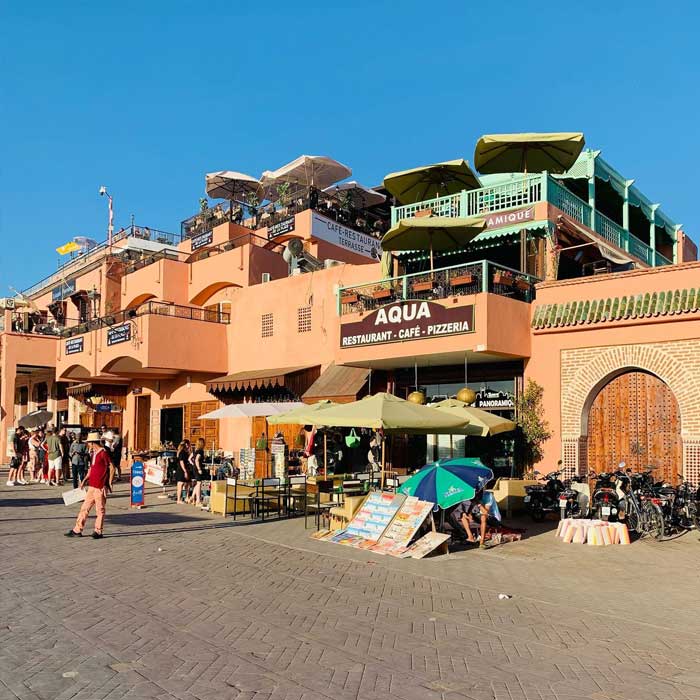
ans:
(524, 191)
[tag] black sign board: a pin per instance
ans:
(280, 228)
(202, 239)
(119, 334)
(489, 399)
(407, 320)
(74, 345)
(65, 289)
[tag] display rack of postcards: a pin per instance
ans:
(279, 463)
(246, 463)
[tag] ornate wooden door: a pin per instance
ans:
(635, 419)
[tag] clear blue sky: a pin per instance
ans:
(145, 97)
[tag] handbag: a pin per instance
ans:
(352, 440)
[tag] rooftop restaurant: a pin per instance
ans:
(536, 261)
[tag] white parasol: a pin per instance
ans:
(308, 171)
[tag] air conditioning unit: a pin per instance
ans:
(7, 303)
(331, 263)
(266, 277)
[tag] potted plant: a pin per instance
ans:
(462, 280)
(283, 196)
(382, 293)
(522, 284)
(422, 286)
(253, 203)
(503, 277)
(349, 298)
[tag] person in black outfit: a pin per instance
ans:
(115, 453)
(183, 473)
(198, 472)
(79, 459)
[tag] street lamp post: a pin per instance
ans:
(110, 226)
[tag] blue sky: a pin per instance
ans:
(146, 97)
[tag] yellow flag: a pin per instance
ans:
(68, 248)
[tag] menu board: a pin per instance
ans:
(404, 526)
(425, 545)
(374, 516)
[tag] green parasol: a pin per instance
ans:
(428, 181)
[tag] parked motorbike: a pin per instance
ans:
(575, 499)
(607, 493)
(541, 499)
(685, 507)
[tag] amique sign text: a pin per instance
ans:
(408, 320)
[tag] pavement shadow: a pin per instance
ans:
(29, 502)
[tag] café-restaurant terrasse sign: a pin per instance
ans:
(407, 320)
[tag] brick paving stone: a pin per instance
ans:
(262, 612)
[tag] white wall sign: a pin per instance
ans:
(344, 237)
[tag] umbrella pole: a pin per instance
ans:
(452, 452)
(383, 460)
(325, 454)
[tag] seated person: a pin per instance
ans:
(481, 510)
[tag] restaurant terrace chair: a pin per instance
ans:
(297, 495)
(240, 495)
(262, 500)
(320, 508)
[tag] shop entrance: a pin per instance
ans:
(635, 419)
(171, 425)
(143, 423)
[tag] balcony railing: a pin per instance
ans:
(524, 191)
(82, 260)
(159, 308)
(446, 282)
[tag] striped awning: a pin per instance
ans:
(256, 379)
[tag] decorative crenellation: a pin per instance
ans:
(634, 306)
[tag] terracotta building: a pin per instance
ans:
(578, 281)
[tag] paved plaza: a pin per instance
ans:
(174, 603)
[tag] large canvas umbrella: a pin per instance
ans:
(360, 195)
(228, 184)
(432, 233)
(309, 171)
(448, 481)
(523, 153)
(479, 422)
(428, 181)
(35, 419)
(302, 415)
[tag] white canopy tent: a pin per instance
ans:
(361, 196)
(308, 171)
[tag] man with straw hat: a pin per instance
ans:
(99, 480)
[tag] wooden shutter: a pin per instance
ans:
(195, 428)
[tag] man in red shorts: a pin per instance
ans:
(99, 481)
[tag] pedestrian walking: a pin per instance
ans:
(65, 454)
(99, 482)
(16, 474)
(79, 460)
(55, 455)
(34, 447)
(116, 452)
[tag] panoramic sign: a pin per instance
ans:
(408, 320)
(201, 240)
(119, 334)
(74, 345)
(281, 227)
(344, 237)
(513, 217)
(490, 399)
(65, 289)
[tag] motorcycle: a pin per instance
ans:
(541, 499)
(575, 499)
(607, 494)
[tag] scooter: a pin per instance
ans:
(543, 498)
(608, 493)
(575, 500)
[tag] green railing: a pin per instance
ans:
(524, 191)
(661, 260)
(443, 283)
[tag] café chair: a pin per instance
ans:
(320, 508)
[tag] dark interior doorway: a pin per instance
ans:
(171, 425)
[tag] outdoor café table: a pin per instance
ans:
(265, 494)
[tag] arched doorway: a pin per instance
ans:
(635, 418)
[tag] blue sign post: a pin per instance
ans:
(137, 485)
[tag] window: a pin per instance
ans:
(303, 319)
(267, 327)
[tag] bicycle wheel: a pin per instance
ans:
(653, 521)
(632, 519)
